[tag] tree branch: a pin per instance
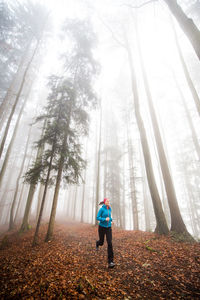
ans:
(106, 25)
(112, 33)
(141, 5)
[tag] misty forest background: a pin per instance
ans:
(100, 99)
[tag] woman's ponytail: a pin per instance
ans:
(104, 201)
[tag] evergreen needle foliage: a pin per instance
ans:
(67, 112)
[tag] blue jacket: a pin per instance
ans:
(103, 214)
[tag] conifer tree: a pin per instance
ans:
(67, 117)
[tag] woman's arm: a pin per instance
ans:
(99, 218)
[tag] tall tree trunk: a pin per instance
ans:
(64, 209)
(105, 151)
(69, 202)
(17, 99)
(11, 223)
(187, 25)
(48, 202)
(75, 200)
(39, 201)
(4, 197)
(186, 72)
(146, 208)
(83, 194)
(177, 223)
(93, 202)
(58, 181)
(189, 119)
(132, 181)
(10, 92)
(10, 146)
(105, 173)
(162, 187)
(124, 196)
(194, 215)
(98, 169)
(25, 225)
(35, 238)
(55, 200)
(83, 199)
(161, 227)
(119, 211)
(22, 192)
(164, 198)
(19, 203)
(145, 194)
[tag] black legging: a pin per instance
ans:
(108, 232)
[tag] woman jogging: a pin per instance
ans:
(104, 216)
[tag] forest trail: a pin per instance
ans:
(68, 267)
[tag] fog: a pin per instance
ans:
(138, 98)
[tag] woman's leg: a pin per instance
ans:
(110, 247)
(101, 236)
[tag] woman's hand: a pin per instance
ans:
(107, 219)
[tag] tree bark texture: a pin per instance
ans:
(98, 170)
(186, 72)
(187, 25)
(17, 100)
(132, 181)
(25, 225)
(10, 146)
(177, 223)
(11, 223)
(35, 238)
(189, 119)
(161, 227)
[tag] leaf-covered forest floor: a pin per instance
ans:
(147, 266)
